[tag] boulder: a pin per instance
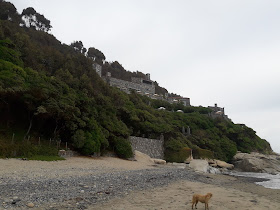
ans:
(199, 165)
(158, 161)
(223, 164)
(213, 170)
(256, 162)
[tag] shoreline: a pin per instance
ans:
(113, 183)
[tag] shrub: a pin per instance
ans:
(123, 148)
(202, 153)
(26, 150)
(178, 156)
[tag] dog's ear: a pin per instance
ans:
(210, 194)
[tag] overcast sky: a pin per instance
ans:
(225, 52)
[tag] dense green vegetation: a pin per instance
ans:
(49, 89)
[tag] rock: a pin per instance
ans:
(213, 170)
(211, 161)
(15, 198)
(223, 164)
(159, 161)
(220, 164)
(178, 165)
(30, 205)
(256, 162)
(199, 165)
(141, 157)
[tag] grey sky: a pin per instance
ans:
(218, 51)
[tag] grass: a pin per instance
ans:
(46, 158)
(28, 150)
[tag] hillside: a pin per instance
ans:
(50, 90)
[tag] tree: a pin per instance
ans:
(78, 46)
(32, 19)
(8, 11)
(96, 55)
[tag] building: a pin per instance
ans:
(217, 112)
(142, 86)
(185, 101)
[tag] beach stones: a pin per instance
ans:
(30, 205)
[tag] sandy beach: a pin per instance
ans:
(175, 192)
(178, 196)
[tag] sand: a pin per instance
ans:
(70, 167)
(179, 195)
(228, 192)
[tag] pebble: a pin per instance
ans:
(30, 205)
(6, 200)
(101, 186)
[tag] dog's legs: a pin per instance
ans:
(196, 204)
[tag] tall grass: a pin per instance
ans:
(31, 149)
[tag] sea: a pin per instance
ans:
(273, 181)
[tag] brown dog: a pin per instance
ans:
(202, 198)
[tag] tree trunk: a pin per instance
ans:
(30, 126)
(55, 130)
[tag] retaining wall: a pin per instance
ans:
(152, 147)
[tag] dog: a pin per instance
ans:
(202, 198)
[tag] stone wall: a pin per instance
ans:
(126, 85)
(152, 147)
(67, 153)
(97, 68)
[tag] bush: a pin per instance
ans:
(123, 148)
(202, 153)
(178, 156)
(26, 150)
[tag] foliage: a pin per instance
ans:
(179, 156)
(202, 154)
(96, 55)
(123, 148)
(8, 11)
(25, 150)
(79, 47)
(35, 20)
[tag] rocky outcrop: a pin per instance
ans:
(256, 162)
(210, 166)
(220, 164)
